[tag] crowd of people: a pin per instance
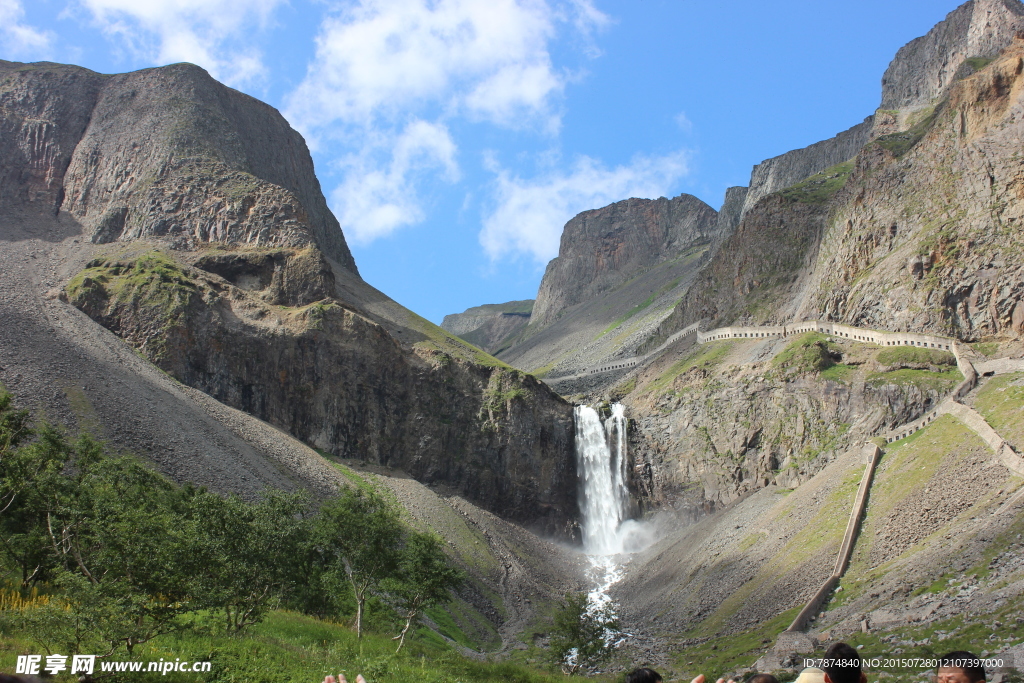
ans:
(841, 664)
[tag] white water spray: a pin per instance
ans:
(601, 461)
(601, 466)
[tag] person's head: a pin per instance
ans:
(811, 674)
(762, 678)
(842, 665)
(960, 667)
(643, 675)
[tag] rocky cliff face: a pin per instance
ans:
(731, 212)
(790, 168)
(928, 237)
(745, 415)
(490, 325)
(917, 234)
(924, 236)
(336, 380)
(211, 250)
(604, 248)
(165, 152)
(925, 68)
(921, 73)
(757, 273)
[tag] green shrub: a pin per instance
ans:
(913, 355)
(810, 352)
(820, 187)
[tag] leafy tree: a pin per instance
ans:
(112, 524)
(360, 537)
(425, 578)
(245, 556)
(30, 463)
(581, 637)
(21, 462)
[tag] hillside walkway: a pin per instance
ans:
(1004, 455)
(778, 332)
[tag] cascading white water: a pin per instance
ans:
(601, 466)
(601, 463)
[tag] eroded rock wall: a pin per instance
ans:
(790, 168)
(925, 68)
(604, 248)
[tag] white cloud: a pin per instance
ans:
(488, 59)
(529, 214)
(215, 34)
(378, 195)
(382, 63)
(16, 38)
(684, 122)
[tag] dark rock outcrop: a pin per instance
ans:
(790, 168)
(491, 325)
(46, 109)
(209, 247)
(340, 382)
(731, 212)
(755, 273)
(925, 68)
(604, 248)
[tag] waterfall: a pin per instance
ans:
(608, 533)
(601, 467)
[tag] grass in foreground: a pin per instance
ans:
(292, 648)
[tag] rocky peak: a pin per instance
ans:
(489, 325)
(772, 175)
(603, 248)
(924, 68)
(165, 152)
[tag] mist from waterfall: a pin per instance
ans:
(601, 464)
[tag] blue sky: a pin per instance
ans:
(454, 138)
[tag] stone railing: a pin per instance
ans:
(780, 331)
(834, 329)
(620, 363)
(820, 597)
(1004, 454)
(969, 381)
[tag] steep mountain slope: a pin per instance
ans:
(920, 231)
(759, 441)
(488, 326)
(619, 269)
(723, 589)
(186, 218)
